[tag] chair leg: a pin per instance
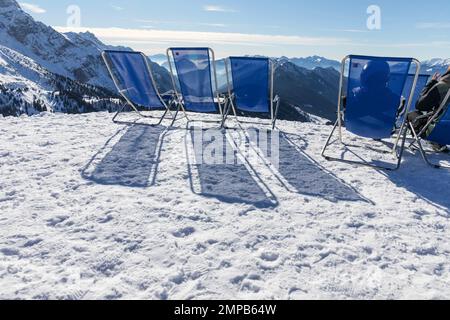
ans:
(402, 149)
(274, 121)
(398, 156)
(118, 112)
(225, 115)
(327, 144)
(176, 115)
(140, 114)
(162, 118)
(418, 140)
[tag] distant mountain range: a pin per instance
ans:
(435, 65)
(160, 59)
(313, 62)
(308, 63)
(305, 89)
(310, 92)
(42, 69)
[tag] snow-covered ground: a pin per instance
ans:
(95, 210)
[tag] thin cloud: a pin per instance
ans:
(32, 8)
(406, 45)
(207, 38)
(215, 8)
(191, 24)
(433, 25)
(347, 30)
(216, 25)
(180, 23)
(148, 21)
(354, 30)
(117, 8)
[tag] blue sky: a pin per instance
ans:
(292, 28)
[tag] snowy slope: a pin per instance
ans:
(26, 87)
(51, 49)
(42, 69)
(26, 80)
(73, 55)
(94, 210)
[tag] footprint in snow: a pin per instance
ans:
(183, 233)
(269, 256)
(105, 219)
(10, 252)
(269, 261)
(248, 286)
(31, 243)
(53, 222)
(247, 282)
(74, 295)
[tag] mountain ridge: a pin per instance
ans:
(73, 61)
(49, 48)
(44, 70)
(307, 86)
(28, 88)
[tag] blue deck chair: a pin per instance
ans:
(133, 78)
(196, 72)
(437, 130)
(373, 97)
(422, 81)
(251, 88)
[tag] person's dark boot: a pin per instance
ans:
(439, 148)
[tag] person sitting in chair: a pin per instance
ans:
(430, 100)
(374, 93)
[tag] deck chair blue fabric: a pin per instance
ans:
(196, 72)
(251, 86)
(441, 132)
(134, 81)
(422, 81)
(374, 91)
(437, 130)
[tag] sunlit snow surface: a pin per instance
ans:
(94, 210)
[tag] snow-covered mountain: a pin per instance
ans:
(306, 92)
(28, 88)
(44, 70)
(313, 62)
(309, 63)
(75, 57)
(435, 65)
(160, 59)
(36, 61)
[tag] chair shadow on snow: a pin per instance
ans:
(356, 152)
(233, 182)
(132, 161)
(427, 183)
(299, 173)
